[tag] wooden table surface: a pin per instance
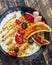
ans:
(45, 7)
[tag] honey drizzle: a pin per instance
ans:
(10, 33)
(9, 29)
(10, 42)
(14, 16)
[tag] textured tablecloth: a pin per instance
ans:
(45, 7)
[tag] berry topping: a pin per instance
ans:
(24, 25)
(14, 54)
(29, 17)
(16, 49)
(22, 12)
(30, 40)
(18, 39)
(20, 31)
(17, 21)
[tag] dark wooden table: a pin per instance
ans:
(45, 7)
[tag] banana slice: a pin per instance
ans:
(36, 28)
(40, 40)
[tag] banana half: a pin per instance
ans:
(36, 28)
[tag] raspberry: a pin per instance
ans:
(18, 39)
(29, 17)
(20, 31)
(17, 21)
(14, 54)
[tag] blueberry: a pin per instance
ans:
(24, 25)
(30, 40)
(16, 49)
(22, 12)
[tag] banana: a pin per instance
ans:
(36, 28)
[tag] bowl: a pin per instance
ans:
(46, 34)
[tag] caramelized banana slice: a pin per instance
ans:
(36, 28)
(40, 40)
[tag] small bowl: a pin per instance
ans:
(46, 34)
